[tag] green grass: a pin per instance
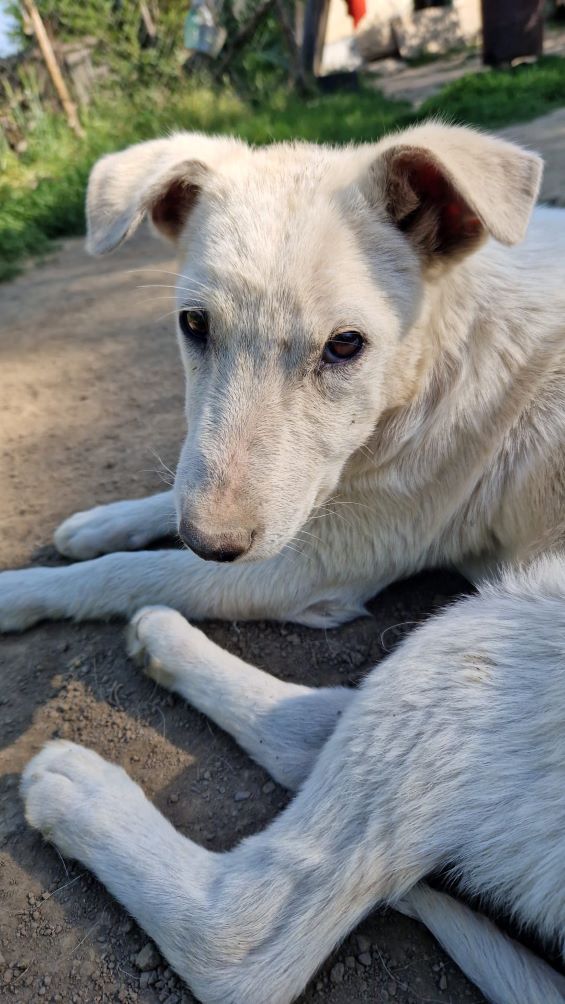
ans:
(499, 97)
(42, 192)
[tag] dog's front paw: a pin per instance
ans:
(71, 795)
(156, 638)
(24, 597)
(120, 526)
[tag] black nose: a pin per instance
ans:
(215, 547)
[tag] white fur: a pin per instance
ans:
(443, 442)
(451, 753)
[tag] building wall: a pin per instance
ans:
(340, 25)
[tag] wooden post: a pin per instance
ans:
(148, 22)
(315, 22)
(52, 65)
(298, 73)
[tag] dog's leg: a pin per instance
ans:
(281, 725)
(254, 924)
(279, 588)
(119, 526)
(413, 775)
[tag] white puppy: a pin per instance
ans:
(355, 349)
(375, 382)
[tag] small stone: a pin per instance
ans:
(363, 943)
(365, 958)
(241, 796)
(2, 961)
(148, 958)
(268, 788)
(391, 987)
(7, 976)
(338, 973)
(350, 962)
(173, 799)
(443, 982)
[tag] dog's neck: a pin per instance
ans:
(457, 364)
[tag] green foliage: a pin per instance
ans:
(42, 197)
(42, 191)
(263, 64)
(122, 43)
(498, 97)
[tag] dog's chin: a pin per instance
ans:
(271, 545)
(262, 551)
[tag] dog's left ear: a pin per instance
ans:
(447, 188)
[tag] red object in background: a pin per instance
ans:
(357, 10)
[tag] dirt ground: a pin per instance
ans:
(90, 398)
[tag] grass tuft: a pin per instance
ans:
(500, 97)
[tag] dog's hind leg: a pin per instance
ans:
(118, 526)
(282, 726)
(414, 775)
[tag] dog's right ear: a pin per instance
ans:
(161, 178)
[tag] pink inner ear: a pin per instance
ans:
(171, 209)
(457, 224)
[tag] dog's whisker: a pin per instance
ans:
(366, 449)
(167, 313)
(165, 271)
(195, 283)
(165, 475)
(309, 534)
(162, 462)
(363, 505)
(289, 547)
(166, 285)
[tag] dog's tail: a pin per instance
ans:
(505, 971)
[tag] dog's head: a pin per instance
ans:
(302, 271)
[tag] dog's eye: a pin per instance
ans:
(194, 325)
(342, 347)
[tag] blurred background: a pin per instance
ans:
(81, 78)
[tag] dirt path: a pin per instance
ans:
(90, 397)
